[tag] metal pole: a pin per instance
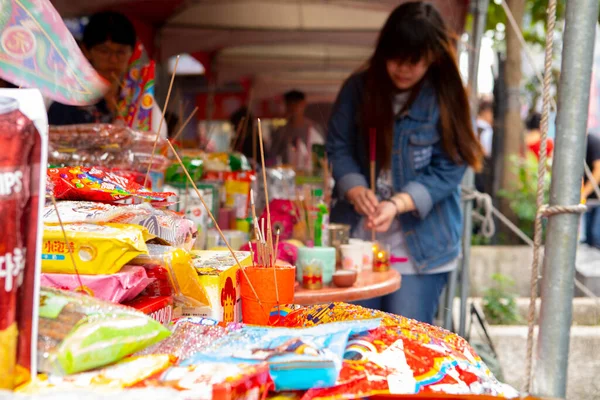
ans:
(550, 377)
(479, 16)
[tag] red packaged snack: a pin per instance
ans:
(159, 308)
(97, 184)
(161, 286)
(20, 166)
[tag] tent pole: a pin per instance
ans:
(479, 20)
(550, 376)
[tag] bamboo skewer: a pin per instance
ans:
(264, 174)
(372, 157)
(62, 228)
(182, 128)
(212, 217)
(161, 121)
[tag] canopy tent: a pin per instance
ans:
(309, 44)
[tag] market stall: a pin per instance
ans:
(133, 268)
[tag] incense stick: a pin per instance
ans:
(212, 217)
(234, 142)
(187, 121)
(160, 124)
(264, 174)
(373, 153)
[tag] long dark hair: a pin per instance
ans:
(415, 31)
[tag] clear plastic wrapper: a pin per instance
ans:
(188, 338)
(78, 333)
(90, 136)
(121, 286)
(167, 225)
(187, 290)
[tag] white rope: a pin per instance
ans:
(486, 215)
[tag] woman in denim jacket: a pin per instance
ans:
(412, 95)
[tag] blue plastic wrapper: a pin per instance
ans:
(299, 359)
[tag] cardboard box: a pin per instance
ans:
(219, 274)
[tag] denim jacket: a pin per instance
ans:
(420, 167)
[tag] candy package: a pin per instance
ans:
(121, 286)
(122, 375)
(21, 184)
(96, 249)
(96, 184)
(78, 333)
(167, 225)
(316, 351)
(395, 360)
(219, 381)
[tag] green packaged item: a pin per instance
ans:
(321, 213)
(175, 174)
(79, 333)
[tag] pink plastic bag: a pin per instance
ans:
(122, 286)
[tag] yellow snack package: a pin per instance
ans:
(97, 249)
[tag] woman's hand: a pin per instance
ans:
(364, 201)
(384, 216)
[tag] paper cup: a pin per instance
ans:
(325, 256)
(367, 261)
(352, 256)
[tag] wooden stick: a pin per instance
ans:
(212, 217)
(372, 167)
(180, 131)
(160, 124)
(62, 228)
(252, 252)
(264, 174)
(254, 144)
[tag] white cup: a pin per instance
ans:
(367, 258)
(352, 256)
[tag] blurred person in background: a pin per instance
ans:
(243, 141)
(485, 134)
(592, 216)
(533, 136)
(292, 143)
(485, 123)
(108, 43)
(412, 94)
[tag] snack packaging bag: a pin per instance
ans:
(21, 183)
(122, 375)
(395, 360)
(237, 189)
(221, 381)
(97, 249)
(316, 351)
(186, 289)
(167, 225)
(78, 333)
(121, 286)
(96, 184)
